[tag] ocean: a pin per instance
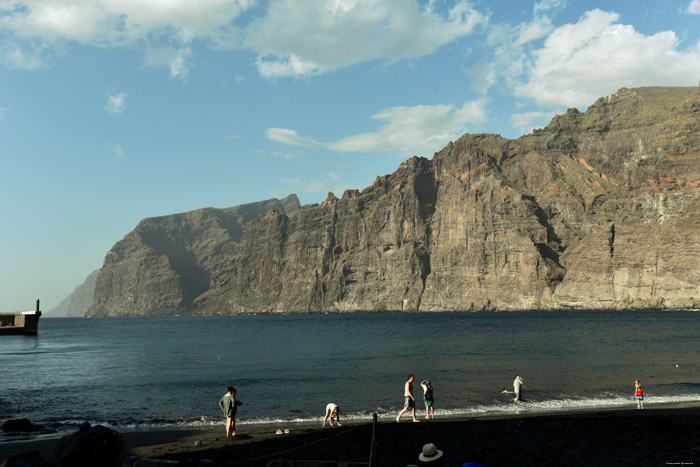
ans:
(168, 372)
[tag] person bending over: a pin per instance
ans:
(332, 410)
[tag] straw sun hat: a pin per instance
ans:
(430, 453)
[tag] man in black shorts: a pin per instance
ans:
(408, 400)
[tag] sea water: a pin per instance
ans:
(166, 372)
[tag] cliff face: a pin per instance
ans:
(164, 263)
(597, 210)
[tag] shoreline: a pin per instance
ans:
(622, 436)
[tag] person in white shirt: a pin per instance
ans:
(518, 384)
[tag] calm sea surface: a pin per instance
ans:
(165, 372)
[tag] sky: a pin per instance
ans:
(112, 111)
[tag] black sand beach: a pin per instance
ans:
(661, 436)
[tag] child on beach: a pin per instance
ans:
(428, 397)
(639, 394)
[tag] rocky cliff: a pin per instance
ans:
(598, 210)
(164, 263)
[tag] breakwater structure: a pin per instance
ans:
(20, 322)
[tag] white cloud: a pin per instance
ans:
(116, 104)
(596, 56)
(545, 6)
(174, 59)
(115, 22)
(538, 28)
(527, 121)
(36, 27)
(421, 129)
(290, 137)
(289, 37)
(291, 66)
(3, 112)
(304, 38)
(694, 7)
(541, 25)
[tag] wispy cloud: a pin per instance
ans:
(177, 60)
(116, 104)
(527, 121)
(3, 112)
(509, 44)
(116, 150)
(421, 129)
(290, 137)
(317, 187)
(14, 55)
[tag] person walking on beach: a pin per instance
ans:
(229, 405)
(518, 384)
(332, 410)
(408, 400)
(428, 397)
(639, 394)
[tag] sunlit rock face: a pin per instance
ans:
(598, 210)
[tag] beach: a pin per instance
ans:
(654, 436)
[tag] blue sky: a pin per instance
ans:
(116, 110)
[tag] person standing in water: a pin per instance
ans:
(332, 410)
(428, 397)
(408, 400)
(229, 405)
(518, 384)
(639, 394)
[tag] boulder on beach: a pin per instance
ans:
(22, 425)
(90, 446)
(27, 459)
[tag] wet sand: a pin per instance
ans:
(654, 436)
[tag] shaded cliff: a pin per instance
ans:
(597, 210)
(164, 263)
